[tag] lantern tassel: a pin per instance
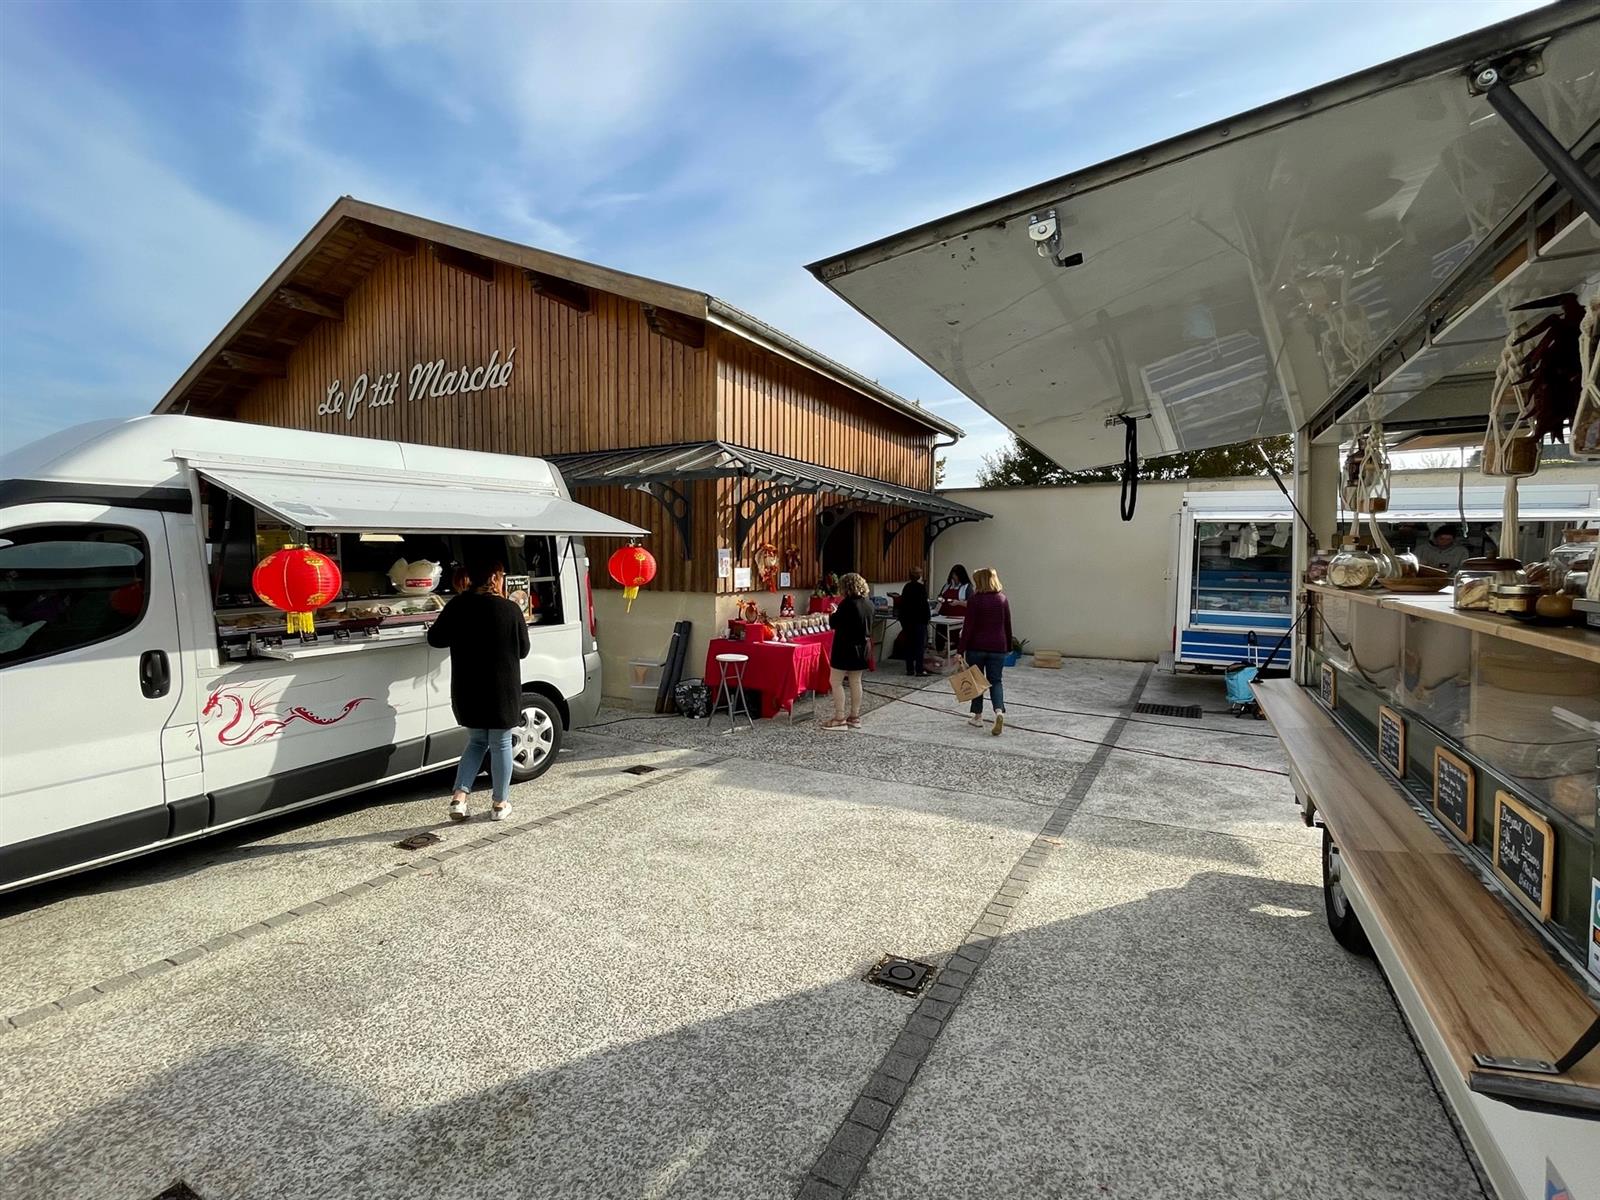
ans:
(629, 594)
(302, 623)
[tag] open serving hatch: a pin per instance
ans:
(1229, 283)
(369, 500)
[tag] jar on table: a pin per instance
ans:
(1353, 567)
(1478, 577)
(1514, 599)
(1576, 553)
(1317, 566)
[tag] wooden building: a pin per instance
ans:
(662, 405)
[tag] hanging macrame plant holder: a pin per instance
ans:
(1511, 442)
(1586, 424)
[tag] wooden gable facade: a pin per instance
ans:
(557, 358)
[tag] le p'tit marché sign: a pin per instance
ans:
(427, 380)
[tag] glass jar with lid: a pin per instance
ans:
(1576, 553)
(1353, 567)
(1478, 577)
(1317, 566)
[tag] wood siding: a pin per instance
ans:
(596, 380)
(767, 402)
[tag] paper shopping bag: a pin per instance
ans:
(969, 683)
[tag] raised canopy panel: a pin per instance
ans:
(1230, 280)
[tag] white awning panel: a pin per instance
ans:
(363, 500)
(1227, 282)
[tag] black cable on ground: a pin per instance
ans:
(1132, 720)
(1208, 762)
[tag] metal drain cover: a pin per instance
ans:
(637, 769)
(904, 975)
(1192, 711)
(418, 840)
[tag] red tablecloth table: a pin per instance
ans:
(780, 671)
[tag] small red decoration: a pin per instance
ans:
(766, 565)
(298, 580)
(632, 567)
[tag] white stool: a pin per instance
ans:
(730, 689)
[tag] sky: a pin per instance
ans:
(158, 160)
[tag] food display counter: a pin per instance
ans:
(1488, 723)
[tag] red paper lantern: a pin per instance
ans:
(632, 567)
(298, 580)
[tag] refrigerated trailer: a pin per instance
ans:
(1231, 594)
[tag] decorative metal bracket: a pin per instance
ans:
(829, 520)
(679, 506)
(753, 503)
(937, 525)
(893, 526)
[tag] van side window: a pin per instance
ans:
(65, 586)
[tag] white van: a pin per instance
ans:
(148, 697)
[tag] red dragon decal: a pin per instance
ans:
(260, 723)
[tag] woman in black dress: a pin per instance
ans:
(913, 617)
(487, 637)
(852, 651)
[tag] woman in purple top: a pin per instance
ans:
(985, 641)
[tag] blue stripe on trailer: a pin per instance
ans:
(1225, 648)
(1264, 622)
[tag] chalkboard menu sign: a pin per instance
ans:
(1524, 850)
(1392, 740)
(1455, 793)
(1328, 685)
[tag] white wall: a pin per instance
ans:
(645, 633)
(1079, 579)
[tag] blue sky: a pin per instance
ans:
(157, 160)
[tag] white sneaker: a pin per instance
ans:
(458, 810)
(500, 812)
(975, 720)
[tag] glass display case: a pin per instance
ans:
(1234, 594)
(1516, 706)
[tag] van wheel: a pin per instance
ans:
(1342, 919)
(536, 741)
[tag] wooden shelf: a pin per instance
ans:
(1570, 640)
(1487, 982)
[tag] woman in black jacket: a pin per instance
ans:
(852, 651)
(487, 636)
(913, 618)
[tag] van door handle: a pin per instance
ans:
(155, 677)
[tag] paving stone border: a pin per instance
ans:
(499, 833)
(843, 1161)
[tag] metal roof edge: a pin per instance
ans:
(769, 337)
(1432, 60)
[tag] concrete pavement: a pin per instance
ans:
(652, 985)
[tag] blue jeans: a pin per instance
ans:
(496, 743)
(992, 663)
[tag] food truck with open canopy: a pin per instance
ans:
(150, 697)
(1405, 257)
